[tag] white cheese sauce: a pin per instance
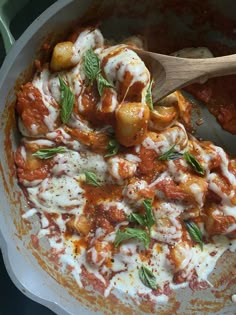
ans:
(73, 163)
(40, 81)
(198, 193)
(58, 194)
(88, 39)
(121, 61)
(174, 136)
(167, 228)
(127, 261)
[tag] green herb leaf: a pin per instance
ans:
(128, 233)
(149, 217)
(47, 153)
(112, 148)
(67, 99)
(194, 232)
(91, 178)
(102, 83)
(147, 277)
(170, 155)
(91, 65)
(194, 163)
(138, 218)
(149, 101)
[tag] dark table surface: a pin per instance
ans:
(12, 301)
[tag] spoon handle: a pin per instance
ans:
(203, 69)
(175, 73)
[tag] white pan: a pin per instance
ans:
(118, 19)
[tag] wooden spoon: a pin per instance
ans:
(172, 73)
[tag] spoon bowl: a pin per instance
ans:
(171, 73)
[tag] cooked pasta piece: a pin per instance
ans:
(164, 113)
(38, 112)
(137, 190)
(30, 169)
(216, 222)
(62, 56)
(80, 224)
(120, 168)
(162, 141)
(131, 123)
(99, 253)
(162, 117)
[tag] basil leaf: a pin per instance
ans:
(145, 220)
(147, 277)
(194, 163)
(91, 65)
(170, 155)
(194, 232)
(148, 98)
(91, 178)
(112, 148)
(47, 153)
(129, 233)
(149, 217)
(138, 218)
(67, 99)
(102, 83)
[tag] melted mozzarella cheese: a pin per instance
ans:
(29, 213)
(127, 261)
(121, 168)
(23, 153)
(132, 191)
(58, 194)
(62, 192)
(121, 61)
(167, 228)
(73, 163)
(25, 132)
(225, 165)
(198, 193)
(40, 142)
(204, 261)
(88, 39)
(41, 83)
(60, 135)
(176, 173)
(214, 186)
(73, 79)
(174, 136)
(132, 158)
(119, 205)
(228, 210)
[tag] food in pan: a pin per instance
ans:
(129, 201)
